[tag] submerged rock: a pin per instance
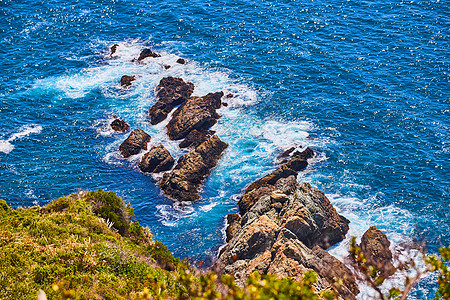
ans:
(136, 141)
(158, 159)
(119, 125)
(375, 247)
(182, 183)
(126, 80)
(284, 233)
(147, 53)
(170, 92)
(197, 113)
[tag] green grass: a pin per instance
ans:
(84, 245)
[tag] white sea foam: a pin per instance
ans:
(6, 146)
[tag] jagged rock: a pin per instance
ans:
(266, 184)
(299, 161)
(182, 183)
(158, 159)
(147, 53)
(196, 113)
(181, 61)
(114, 49)
(119, 125)
(136, 141)
(166, 67)
(375, 247)
(126, 80)
(286, 153)
(283, 233)
(171, 92)
(233, 227)
(195, 138)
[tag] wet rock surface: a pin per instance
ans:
(170, 92)
(119, 125)
(113, 49)
(158, 159)
(126, 80)
(197, 113)
(147, 53)
(136, 141)
(182, 183)
(181, 61)
(284, 233)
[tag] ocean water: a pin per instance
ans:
(366, 84)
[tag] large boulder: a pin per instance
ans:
(136, 141)
(182, 183)
(284, 233)
(170, 92)
(158, 159)
(197, 113)
(119, 125)
(375, 247)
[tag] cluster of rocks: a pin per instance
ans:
(283, 229)
(192, 119)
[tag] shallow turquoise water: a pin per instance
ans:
(365, 83)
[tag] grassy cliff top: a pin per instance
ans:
(83, 246)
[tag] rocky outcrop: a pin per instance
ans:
(375, 247)
(147, 53)
(284, 233)
(197, 113)
(170, 92)
(195, 138)
(158, 159)
(119, 125)
(136, 141)
(182, 183)
(126, 80)
(266, 184)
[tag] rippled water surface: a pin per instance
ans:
(364, 83)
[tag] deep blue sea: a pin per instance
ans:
(366, 84)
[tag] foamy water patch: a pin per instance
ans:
(6, 146)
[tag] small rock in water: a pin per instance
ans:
(181, 61)
(136, 141)
(114, 49)
(166, 67)
(158, 159)
(126, 80)
(119, 125)
(147, 53)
